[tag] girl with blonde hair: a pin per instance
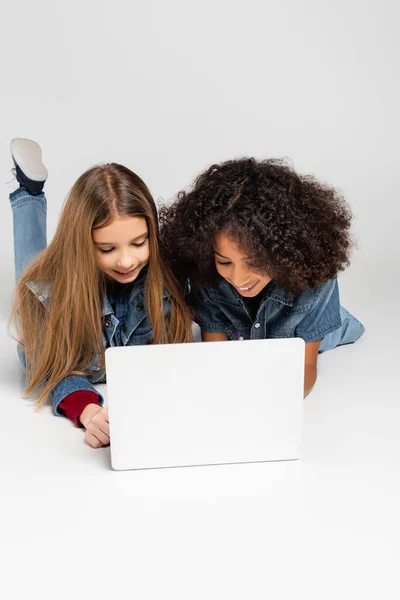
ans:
(101, 282)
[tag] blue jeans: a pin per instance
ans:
(29, 215)
(350, 331)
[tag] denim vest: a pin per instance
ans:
(125, 323)
(315, 314)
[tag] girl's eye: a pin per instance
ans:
(111, 249)
(141, 244)
(223, 263)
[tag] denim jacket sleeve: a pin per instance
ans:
(323, 316)
(207, 314)
(71, 383)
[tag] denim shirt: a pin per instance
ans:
(125, 323)
(312, 315)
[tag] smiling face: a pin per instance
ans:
(231, 264)
(122, 248)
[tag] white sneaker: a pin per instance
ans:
(28, 156)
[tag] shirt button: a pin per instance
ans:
(108, 323)
(257, 325)
(139, 307)
(123, 327)
(241, 338)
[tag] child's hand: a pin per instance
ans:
(95, 420)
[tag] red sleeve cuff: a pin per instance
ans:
(72, 406)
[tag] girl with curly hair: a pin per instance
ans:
(101, 282)
(262, 247)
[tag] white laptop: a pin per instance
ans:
(205, 403)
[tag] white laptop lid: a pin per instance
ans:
(205, 403)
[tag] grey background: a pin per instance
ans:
(168, 88)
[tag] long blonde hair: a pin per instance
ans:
(64, 336)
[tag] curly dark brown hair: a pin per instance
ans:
(289, 226)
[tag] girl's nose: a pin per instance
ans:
(240, 277)
(125, 260)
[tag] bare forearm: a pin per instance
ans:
(310, 377)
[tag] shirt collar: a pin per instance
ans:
(42, 291)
